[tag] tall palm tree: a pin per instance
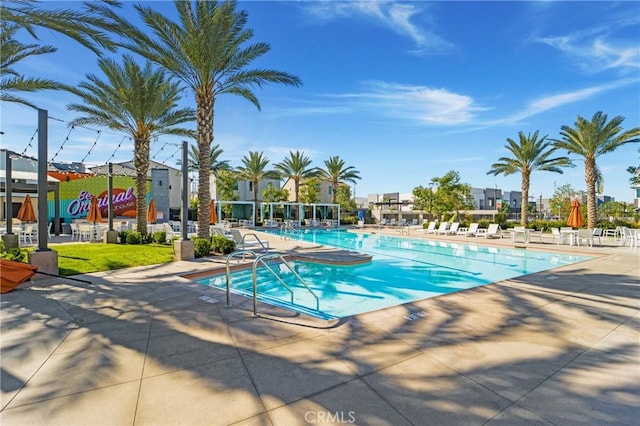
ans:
(206, 49)
(141, 102)
(591, 139)
(296, 167)
(254, 169)
(336, 173)
(527, 155)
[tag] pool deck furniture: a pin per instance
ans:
(146, 346)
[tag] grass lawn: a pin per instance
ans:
(84, 258)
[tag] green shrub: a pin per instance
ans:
(220, 244)
(483, 223)
(202, 247)
(122, 236)
(134, 237)
(15, 254)
(160, 237)
(147, 239)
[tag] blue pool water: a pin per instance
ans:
(402, 270)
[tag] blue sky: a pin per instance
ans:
(402, 91)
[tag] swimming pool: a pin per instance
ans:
(401, 270)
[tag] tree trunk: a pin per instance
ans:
(590, 179)
(296, 183)
(524, 208)
(204, 109)
(141, 163)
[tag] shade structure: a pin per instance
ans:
(213, 214)
(575, 218)
(26, 213)
(94, 214)
(152, 214)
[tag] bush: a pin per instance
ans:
(202, 247)
(160, 237)
(15, 254)
(220, 244)
(122, 236)
(134, 237)
(147, 239)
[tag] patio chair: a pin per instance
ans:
(470, 231)
(431, 229)
(248, 241)
(597, 233)
(453, 229)
(442, 229)
(585, 236)
(493, 231)
(360, 224)
(557, 236)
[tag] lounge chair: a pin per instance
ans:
(493, 231)
(360, 224)
(442, 229)
(248, 241)
(585, 236)
(431, 229)
(468, 232)
(453, 229)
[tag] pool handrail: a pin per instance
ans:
(262, 259)
(228, 269)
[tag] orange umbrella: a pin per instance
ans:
(213, 215)
(152, 215)
(94, 214)
(575, 218)
(26, 213)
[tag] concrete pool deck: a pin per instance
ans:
(143, 346)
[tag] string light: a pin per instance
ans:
(116, 150)
(30, 141)
(63, 142)
(92, 146)
(159, 151)
(171, 156)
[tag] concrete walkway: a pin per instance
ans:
(144, 346)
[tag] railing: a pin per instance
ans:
(284, 228)
(231, 256)
(262, 260)
(251, 234)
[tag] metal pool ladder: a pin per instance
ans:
(254, 277)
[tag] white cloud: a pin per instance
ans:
(554, 101)
(423, 104)
(397, 17)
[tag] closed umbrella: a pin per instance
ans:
(26, 213)
(575, 218)
(94, 214)
(213, 214)
(151, 212)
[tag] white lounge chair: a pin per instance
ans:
(470, 231)
(248, 241)
(453, 229)
(431, 229)
(360, 224)
(493, 231)
(442, 229)
(585, 237)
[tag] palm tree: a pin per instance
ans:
(206, 49)
(296, 167)
(591, 139)
(85, 26)
(254, 169)
(336, 173)
(140, 102)
(527, 155)
(216, 165)
(12, 52)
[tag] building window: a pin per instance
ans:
(330, 190)
(250, 186)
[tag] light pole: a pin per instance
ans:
(540, 208)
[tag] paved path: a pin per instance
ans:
(143, 346)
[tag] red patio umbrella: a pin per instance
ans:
(213, 215)
(152, 215)
(575, 218)
(26, 213)
(94, 215)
